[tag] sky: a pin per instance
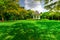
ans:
(22, 3)
(33, 5)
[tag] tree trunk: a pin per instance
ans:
(2, 19)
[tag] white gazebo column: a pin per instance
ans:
(39, 17)
(36, 17)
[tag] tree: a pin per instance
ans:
(53, 5)
(6, 6)
(45, 15)
(51, 15)
(2, 7)
(30, 14)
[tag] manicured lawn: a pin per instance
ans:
(30, 30)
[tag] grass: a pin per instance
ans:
(30, 30)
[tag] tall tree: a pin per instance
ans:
(6, 5)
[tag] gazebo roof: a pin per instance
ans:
(36, 12)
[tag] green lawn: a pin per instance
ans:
(30, 30)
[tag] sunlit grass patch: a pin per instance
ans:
(30, 30)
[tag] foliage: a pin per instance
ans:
(45, 15)
(53, 6)
(51, 15)
(30, 30)
(5, 6)
(10, 10)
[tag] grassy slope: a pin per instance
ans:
(37, 29)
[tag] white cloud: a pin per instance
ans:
(39, 8)
(34, 5)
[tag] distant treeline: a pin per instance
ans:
(50, 15)
(11, 10)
